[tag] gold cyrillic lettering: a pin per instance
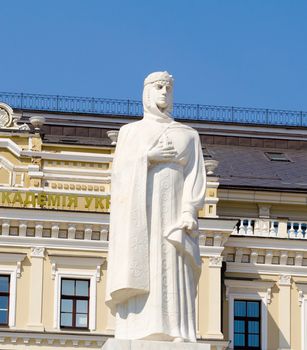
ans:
(72, 200)
(54, 200)
(17, 198)
(41, 199)
(98, 203)
(88, 201)
(5, 199)
(107, 202)
(30, 199)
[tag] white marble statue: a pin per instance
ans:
(158, 185)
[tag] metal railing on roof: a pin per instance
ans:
(132, 108)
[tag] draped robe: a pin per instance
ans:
(154, 264)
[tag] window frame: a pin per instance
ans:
(75, 274)
(75, 298)
(6, 294)
(261, 296)
(273, 156)
(246, 319)
(10, 264)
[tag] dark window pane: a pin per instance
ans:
(82, 288)
(253, 327)
(82, 306)
(66, 319)
(252, 309)
(253, 340)
(3, 317)
(239, 340)
(81, 320)
(240, 308)
(4, 303)
(239, 326)
(4, 284)
(68, 287)
(66, 305)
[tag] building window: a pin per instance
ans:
(277, 157)
(75, 303)
(4, 299)
(247, 324)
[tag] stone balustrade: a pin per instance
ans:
(297, 229)
(271, 228)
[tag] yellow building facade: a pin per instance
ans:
(55, 179)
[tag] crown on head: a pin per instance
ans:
(158, 76)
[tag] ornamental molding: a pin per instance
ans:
(73, 156)
(87, 340)
(113, 136)
(9, 258)
(6, 113)
(302, 292)
(37, 252)
(273, 244)
(264, 269)
(251, 286)
(83, 262)
(8, 120)
(215, 261)
(210, 250)
(284, 280)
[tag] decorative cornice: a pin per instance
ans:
(232, 286)
(9, 258)
(94, 341)
(268, 243)
(210, 250)
(266, 269)
(95, 263)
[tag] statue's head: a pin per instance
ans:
(158, 93)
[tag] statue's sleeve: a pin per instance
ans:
(194, 178)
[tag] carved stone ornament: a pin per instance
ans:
(8, 120)
(37, 252)
(5, 115)
(215, 261)
(285, 280)
(113, 135)
(300, 298)
(211, 165)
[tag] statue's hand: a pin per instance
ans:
(189, 223)
(163, 152)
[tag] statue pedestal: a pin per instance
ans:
(118, 344)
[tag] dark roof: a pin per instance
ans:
(249, 167)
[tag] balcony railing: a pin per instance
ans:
(271, 228)
(132, 108)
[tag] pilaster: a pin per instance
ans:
(36, 289)
(284, 312)
(214, 311)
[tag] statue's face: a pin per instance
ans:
(162, 94)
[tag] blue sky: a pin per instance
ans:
(249, 53)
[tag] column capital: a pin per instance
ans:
(215, 261)
(37, 252)
(284, 280)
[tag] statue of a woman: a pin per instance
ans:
(158, 185)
